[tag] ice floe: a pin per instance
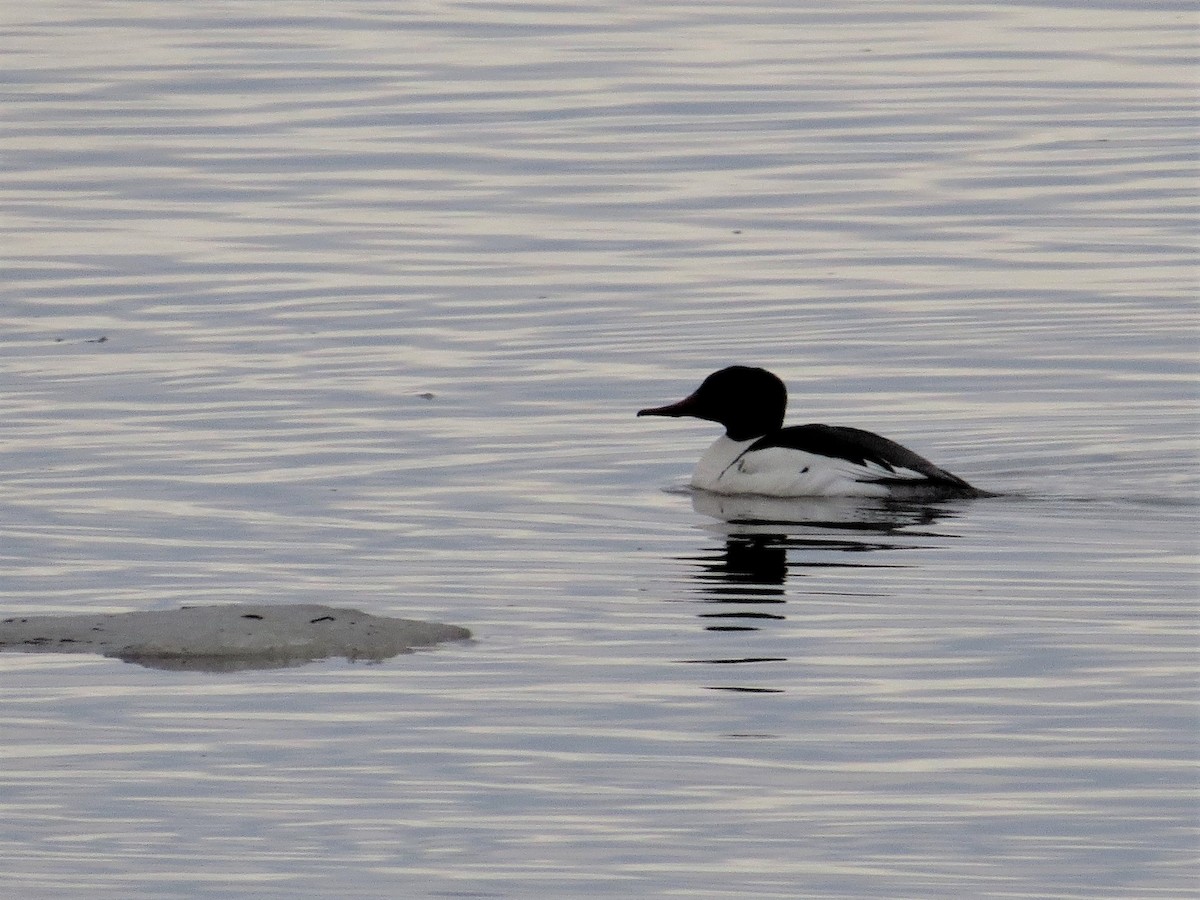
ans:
(228, 637)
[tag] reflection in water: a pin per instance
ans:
(749, 570)
(867, 514)
(767, 539)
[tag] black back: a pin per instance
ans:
(859, 447)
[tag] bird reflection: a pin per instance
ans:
(748, 514)
(766, 541)
(748, 571)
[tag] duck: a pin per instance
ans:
(758, 455)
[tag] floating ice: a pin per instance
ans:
(227, 638)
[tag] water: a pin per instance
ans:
(353, 305)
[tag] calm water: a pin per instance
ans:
(335, 303)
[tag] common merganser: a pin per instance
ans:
(757, 455)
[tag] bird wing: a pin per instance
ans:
(866, 456)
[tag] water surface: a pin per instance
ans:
(354, 305)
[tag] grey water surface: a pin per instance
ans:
(353, 304)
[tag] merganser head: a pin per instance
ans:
(749, 402)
